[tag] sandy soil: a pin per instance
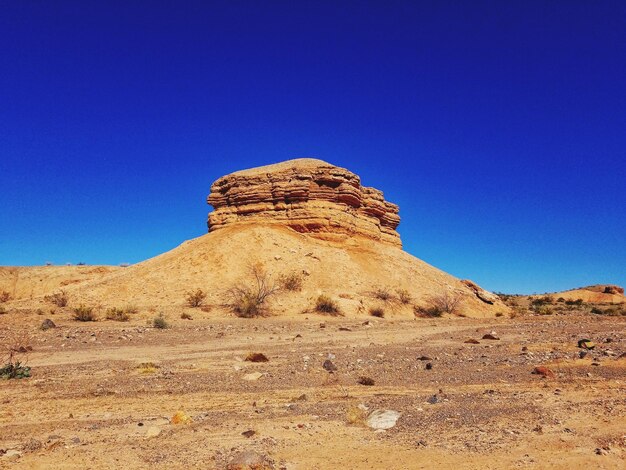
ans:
(347, 270)
(99, 390)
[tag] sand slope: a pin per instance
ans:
(31, 282)
(346, 270)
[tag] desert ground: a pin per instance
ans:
(297, 334)
(126, 395)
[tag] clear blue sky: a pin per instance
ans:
(498, 127)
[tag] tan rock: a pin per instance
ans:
(481, 293)
(307, 195)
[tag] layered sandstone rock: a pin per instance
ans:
(481, 293)
(307, 195)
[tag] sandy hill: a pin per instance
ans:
(305, 217)
(348, 271)
(601, 293)
(33, 282)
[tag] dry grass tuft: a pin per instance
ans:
(326, 305)
(83, 313)
(291, 282)
(60, 298)
(377, 312)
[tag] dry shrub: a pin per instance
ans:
(378, 312)
(517, 311)
(426, 311)
(364, 380)
(195, 298)
(326, 305)
(543, 310)
(117, 314)
(438, 304)
(404, 296)
(83, 313)
(249, 300)
(60, 298)
(148, 368)
(186, 316)
(382, 293)
(4, 296)
(291, 281)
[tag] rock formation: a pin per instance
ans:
(481, 293)
(307, 195)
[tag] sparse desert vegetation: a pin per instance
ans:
(324, 304)
(382, 293)
(404, 296)
(378, 312)
(438, 304)
(195, 298)
(60, 298)
(14, 349)
(291, 281)
(117, 314)
(84, 313)
(160, 323)
(249, 299)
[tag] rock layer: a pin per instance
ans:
(307, 195)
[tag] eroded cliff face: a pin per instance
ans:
(307, 195)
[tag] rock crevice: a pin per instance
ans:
(307, 195)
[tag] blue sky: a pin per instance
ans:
(498, 127)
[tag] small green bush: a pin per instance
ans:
(14, 370)
(15, 348)
(83, 313)
(326, 305)
(160, 322)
